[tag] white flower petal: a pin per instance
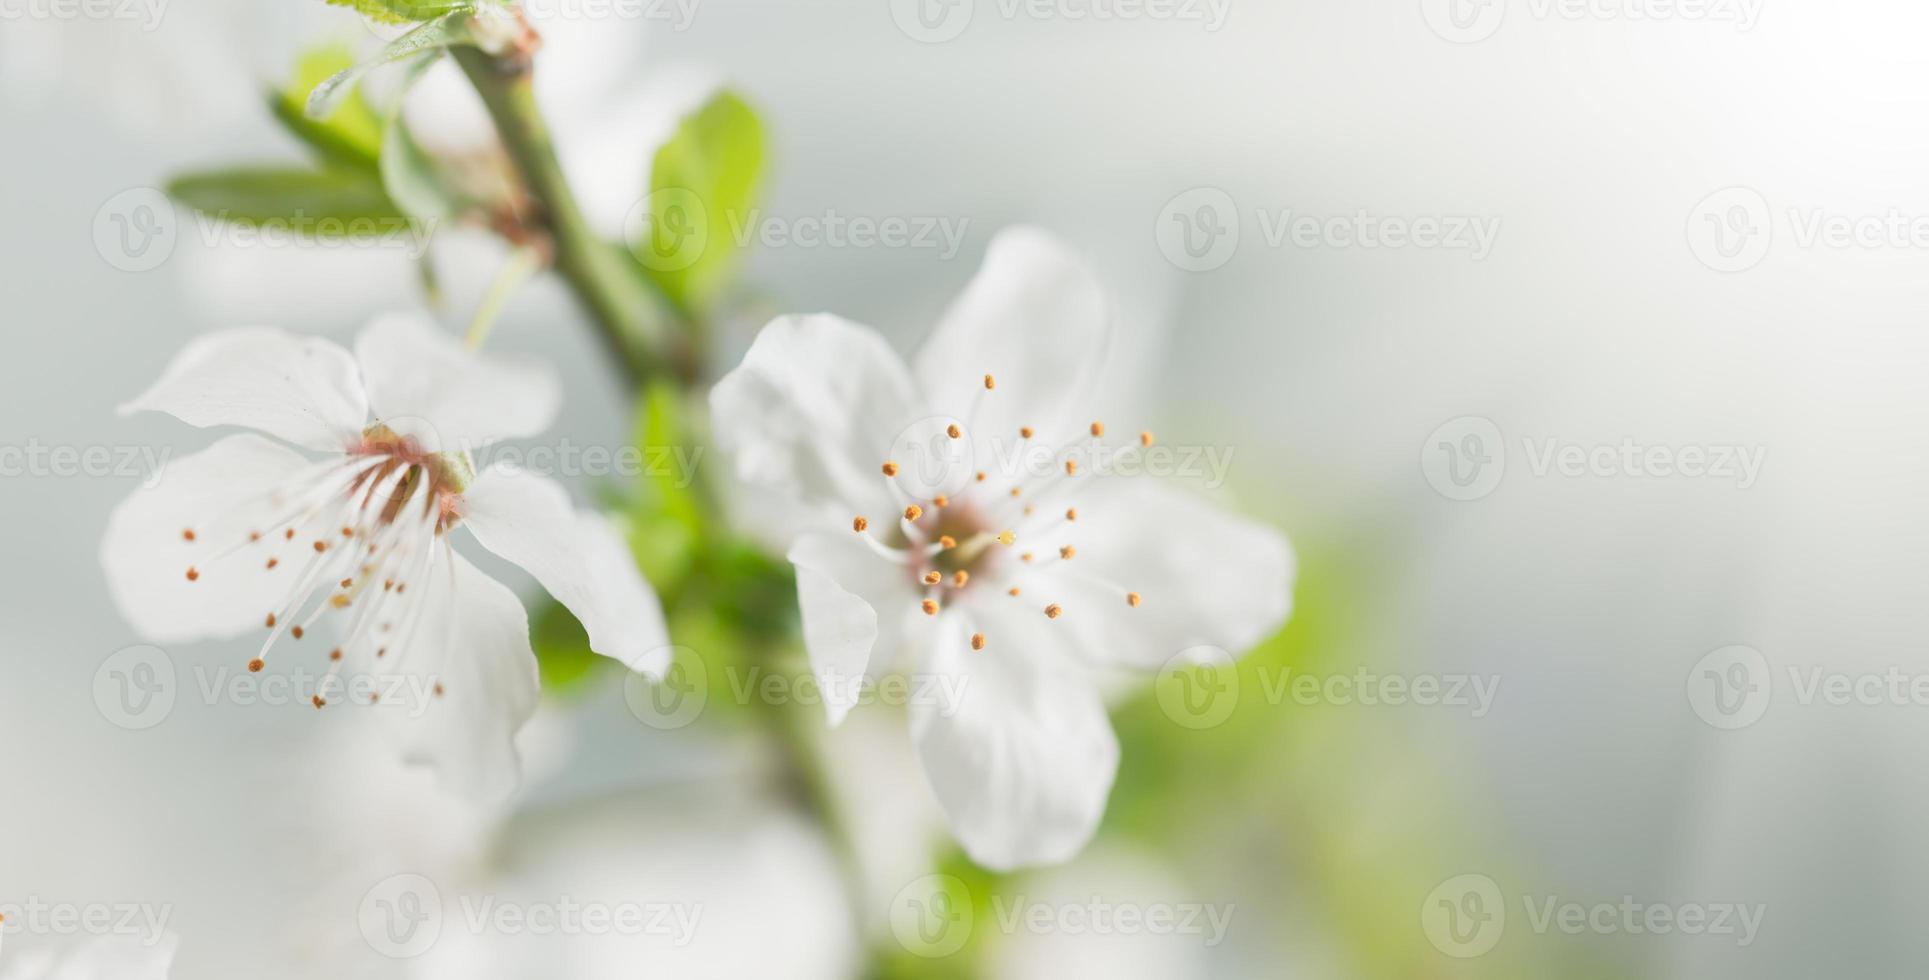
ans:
(1037, 320)
(1205, 576)
(813, 410)
(473, 640)
(418, 373)
(838, 580)
(302, 389)
(215, 494)
(578, 556)
(1023, 761)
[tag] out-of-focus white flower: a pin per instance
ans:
(704, 882)
(98, 959)
(251, 533)
(984, 553)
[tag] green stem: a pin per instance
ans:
(796, 730)
(600, 274)
(627, 315)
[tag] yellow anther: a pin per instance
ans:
(1133, 599)
(960, 577)
(890, 468)
(1145, 438)
(1006, 537)
(1098, 429)
(859, 524)
(953, 431)
(913, 512)
(990, 382)
(1024, 432)
(977, 641)
(1067, 552)
(930, 607)
(932, 578)
(947, 542)
(1054, 610)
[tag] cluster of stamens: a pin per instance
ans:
(946, 547)
(369, 523)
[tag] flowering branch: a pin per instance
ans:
(617, 299)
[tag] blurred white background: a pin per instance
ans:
(1604, 311)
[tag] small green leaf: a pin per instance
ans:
(405, 11)
(452, 29)
(701, 181)
(324, 203)
(351, 136)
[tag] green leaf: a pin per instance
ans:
(707, 174)
(405, 11)
(351, 136)
(452, 29)
(312, 201)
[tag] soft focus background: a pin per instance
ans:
(1630, 771)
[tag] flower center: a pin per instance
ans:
(952, 543)
(347, 536)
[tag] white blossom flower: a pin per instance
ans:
(97, 959)
(963, 526)
(253, 534)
